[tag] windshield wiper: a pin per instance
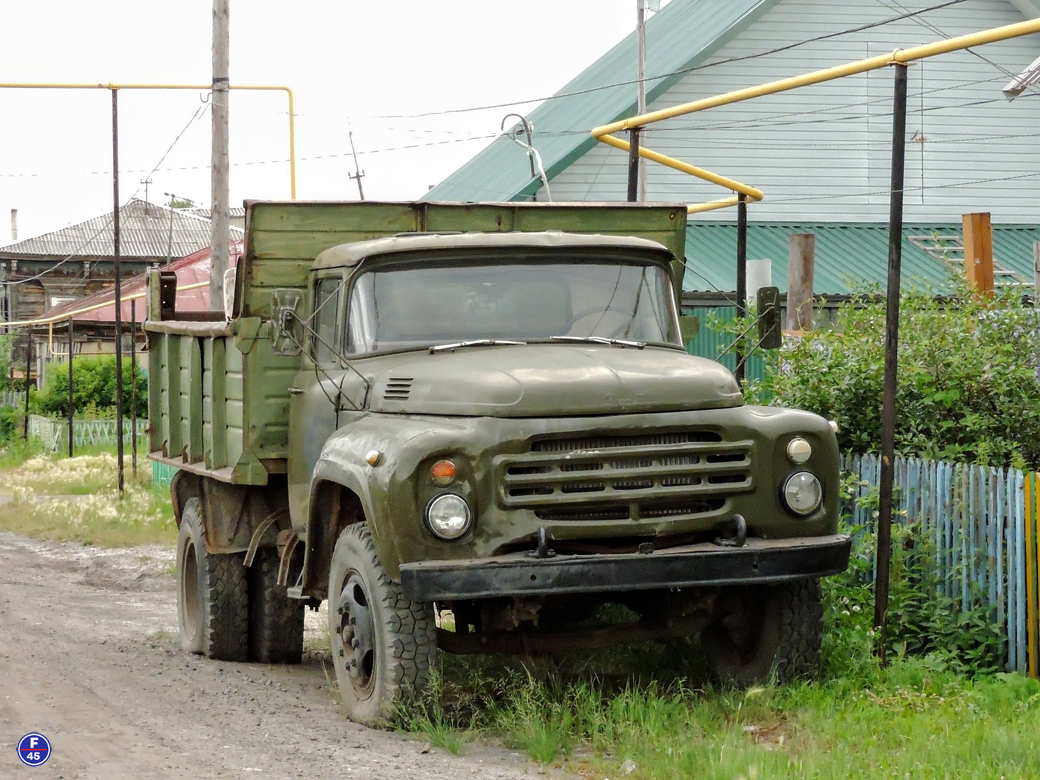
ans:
(601, 340)
(474, 343)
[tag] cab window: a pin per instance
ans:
(326, 316)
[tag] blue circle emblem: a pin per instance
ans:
(34, 749)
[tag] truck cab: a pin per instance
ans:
(487, 435)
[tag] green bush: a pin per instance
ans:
(967, 379)
(7, 424)
(5, 361)
(93, 389)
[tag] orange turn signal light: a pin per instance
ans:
(443, 472)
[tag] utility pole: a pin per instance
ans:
(890, 385)
(148, 203)
(219, 202)
(358, 172)
(641, 7)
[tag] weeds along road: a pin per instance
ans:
(90, 658)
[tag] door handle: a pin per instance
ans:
(296, 390)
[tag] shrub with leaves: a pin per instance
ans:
(967, 380)
(93, 389)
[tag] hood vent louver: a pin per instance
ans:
(398, 389)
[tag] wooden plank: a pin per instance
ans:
(191, 373)
(215, 442)
(1031, 575)
(156, 353)
(172, 384)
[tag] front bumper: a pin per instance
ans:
(689, 566)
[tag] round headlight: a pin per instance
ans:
(448, 516)
(798, 450)
(802, 493)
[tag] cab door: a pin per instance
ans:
(314, 394)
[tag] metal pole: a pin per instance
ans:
(633, 165)
(119, 299)
(28, 368)
(219, 189)
(72, 407)
(641, 90)
(741, 277)
(888, 407)
(133, 385)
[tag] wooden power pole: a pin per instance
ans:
(220, 189)
(978, 252)
(801, 261)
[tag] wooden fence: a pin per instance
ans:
(982, 524)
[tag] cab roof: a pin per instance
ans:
(349, 255)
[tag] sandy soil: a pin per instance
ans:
(89, 657)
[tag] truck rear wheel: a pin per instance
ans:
(212, 595)
(770, 632)
(275, 620)
(383, 644)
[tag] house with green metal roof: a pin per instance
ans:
(820, 154)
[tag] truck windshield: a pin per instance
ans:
(409, 306)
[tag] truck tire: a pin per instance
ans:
(275, 620)
(212, 594)
(383, 644)
(772, 633)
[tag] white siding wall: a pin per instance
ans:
(822, 152)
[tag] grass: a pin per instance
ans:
(76, 500)
(640, 711)
(646, 711)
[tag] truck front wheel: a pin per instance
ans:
(768, 632)
(212, 593)
(383, 644)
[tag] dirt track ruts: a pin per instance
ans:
(89, 657)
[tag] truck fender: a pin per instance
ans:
(339, 497)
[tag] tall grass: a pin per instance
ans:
(76, 499)
(909, 720)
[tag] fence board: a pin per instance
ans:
(983, 526)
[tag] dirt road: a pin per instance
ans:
(89, 657)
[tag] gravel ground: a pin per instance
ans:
(89, 657)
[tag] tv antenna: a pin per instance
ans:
(358, 172)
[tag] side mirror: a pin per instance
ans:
(768, 302)
(286, 333)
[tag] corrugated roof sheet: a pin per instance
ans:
(849, 257)
(145, 231)
(684, 34)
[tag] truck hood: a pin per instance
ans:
(538, 380)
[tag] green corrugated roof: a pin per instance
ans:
(848, 256)
(684, 34)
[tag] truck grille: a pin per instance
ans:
(643, 476)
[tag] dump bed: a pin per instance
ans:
(218, 396)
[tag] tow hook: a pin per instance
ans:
(739, 536)
(543, 550)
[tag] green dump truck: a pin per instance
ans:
(467, 427)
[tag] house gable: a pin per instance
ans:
(684, 34)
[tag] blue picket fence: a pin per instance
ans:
(982, 525)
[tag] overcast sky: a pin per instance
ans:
(367, 67)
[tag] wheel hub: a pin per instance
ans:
(357, 633)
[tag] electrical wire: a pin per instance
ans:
(108, 222)
(681, 71)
